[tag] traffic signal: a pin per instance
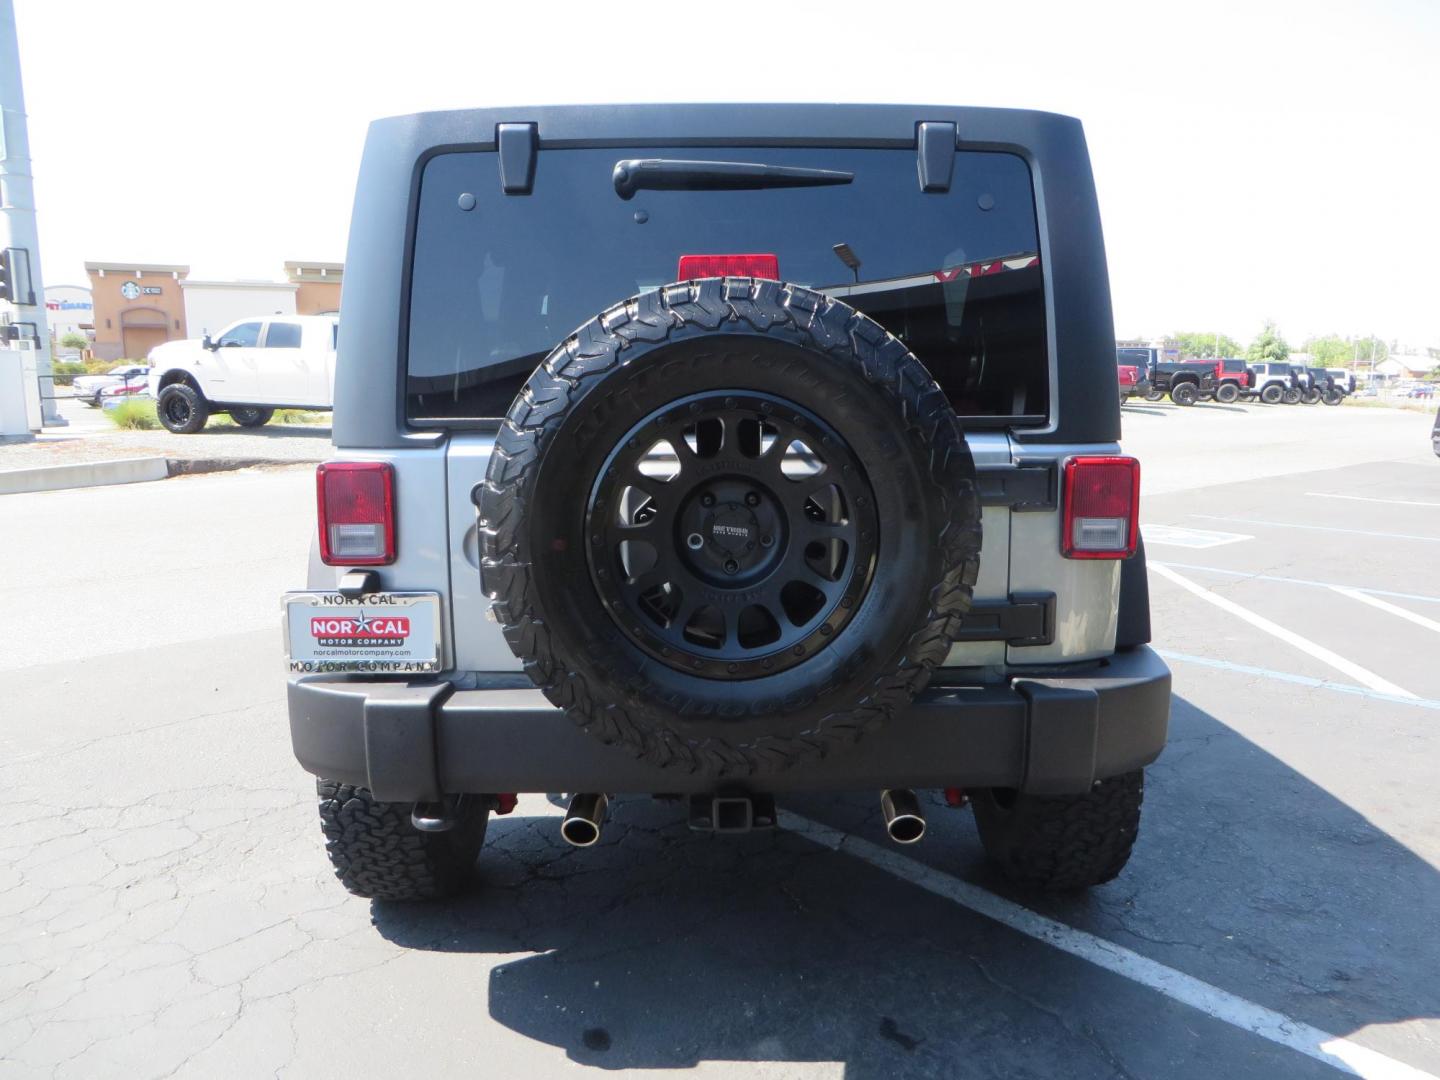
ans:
(6, 286)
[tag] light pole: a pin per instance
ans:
(17, 211)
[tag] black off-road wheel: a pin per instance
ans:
(1334, 397)
(181, 409)
(1154, 395)
(1272, 394)
(1293, 396)
(1184, 393)
(1312, 397)
(1226, 393)
(729, 525)
(251, 416)
(377, 853)
(1061, 843)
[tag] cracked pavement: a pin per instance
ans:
(166, 908)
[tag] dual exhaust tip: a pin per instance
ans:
(585, 816)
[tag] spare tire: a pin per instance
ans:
(730, 524)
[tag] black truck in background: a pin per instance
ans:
(1186, 383)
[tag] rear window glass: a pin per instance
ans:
(1133, 357)
(955, 275)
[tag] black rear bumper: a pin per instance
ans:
(420, 740)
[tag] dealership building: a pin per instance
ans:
(137, 306)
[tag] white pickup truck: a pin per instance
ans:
(248, 370)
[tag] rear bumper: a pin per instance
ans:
(420, 740)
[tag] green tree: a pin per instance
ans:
(73, 339)
(1210, 345)
(1330, 351)
(1269, 345)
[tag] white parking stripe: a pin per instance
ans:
(1320, 528)
(1298, 680)
(1304, 644)
(1278, 1028)
(1362, 498)
(1297, 581)
(1408, 616)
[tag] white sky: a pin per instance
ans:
(1254, 160)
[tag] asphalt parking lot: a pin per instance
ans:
(166, 909)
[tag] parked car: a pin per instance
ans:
(1186, 382)
(1344, 380)
(1272, 382)
(88, 387)
(1133, 381)
(1232, 379)
(248, 370)
(728, 525)
(1435, 435)
(1323, 387)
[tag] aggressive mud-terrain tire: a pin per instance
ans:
(1061, 843)
(1226, 393)
(182, 409)
(377, 853)
(1184, 393)
(1334, 397)
(778, 356)
(251, 416)
(1154, 395)
(1273, 394)
(1312, 397)
(1293, 396)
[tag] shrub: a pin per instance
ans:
(134, 416)
(64, 371)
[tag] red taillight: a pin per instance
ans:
(703, 266)
(1102, 508)
(356, 501)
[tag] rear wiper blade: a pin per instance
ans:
(666, 174)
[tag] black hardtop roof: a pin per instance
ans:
(369, 403)
(792, 123)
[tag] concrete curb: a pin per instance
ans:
(124, 471)
(86, 474)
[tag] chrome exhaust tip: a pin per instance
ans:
(583, 819)
(904, 820)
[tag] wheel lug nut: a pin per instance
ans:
(731, 566)
(752, 499)
(766, 540)
(694, 541)
(707, 499)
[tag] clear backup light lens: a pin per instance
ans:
(356, 504)
(1102, 508)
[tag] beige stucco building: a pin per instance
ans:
(136, 307)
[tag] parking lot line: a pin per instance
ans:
(1408, 616)
(1297, 581)
(1304, 644)
(1366, 498)
(1298, 680)
(1229, 1008)
(1320, 528)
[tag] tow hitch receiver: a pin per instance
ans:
(731, 813)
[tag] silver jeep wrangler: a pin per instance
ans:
(725, 452)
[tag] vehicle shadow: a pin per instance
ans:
(272, 430)
(662, 949)
(1148, 410)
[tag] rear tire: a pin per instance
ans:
(251, 416)
(379, 855)
(181, 409)
(1272, 394)
(1154, 395)
(1292, 396)
(1061, 843)
(1334, 397)
(1184, 393)
(1311, 397)
(1226, 393)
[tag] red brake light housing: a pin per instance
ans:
(356, 510)
(706, 266)
(1101, 518)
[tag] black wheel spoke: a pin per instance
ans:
(758, 527)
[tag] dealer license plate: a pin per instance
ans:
(392, 633)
